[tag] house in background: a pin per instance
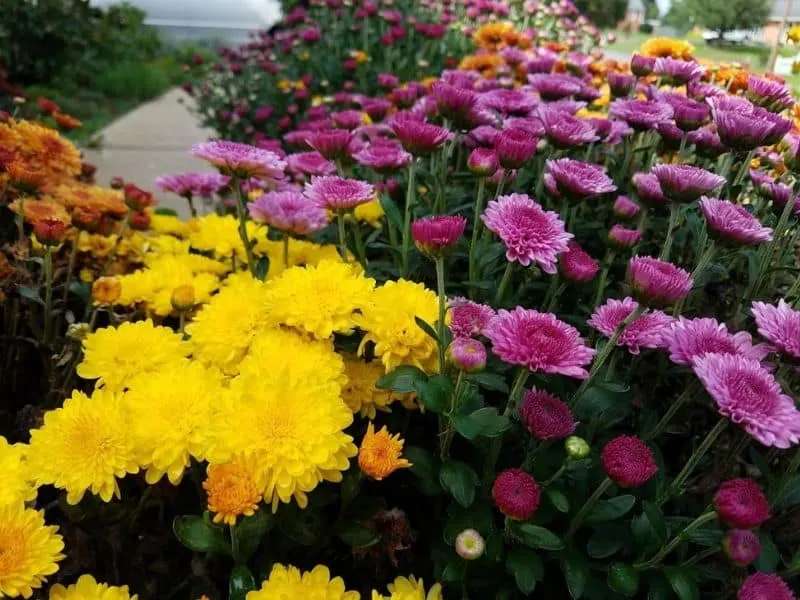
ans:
(772, 30)
(635, 14)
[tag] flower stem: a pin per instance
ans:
(556, 475)
(513, 399)
(694, 459)
(113, 254)
(501, 289)
(587, 506)
(674, 218)
(342, 236)
(192, 208)
(241, 214)
(73, 255)
(48, 293)
(687, 394)
(235, 544)
(476, 226)
(450, 432)
(21, 219)
(360, 248)
(675, 542)
(285, 250)
(440, 323)
(601, 282)
(554, 292)
(407, 220)
(702, 263)
(766, 258)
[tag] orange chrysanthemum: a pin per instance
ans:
(232, 490)
(37, 210)
(486, 64)
(380, 453)
(490, 36)
(93, 198)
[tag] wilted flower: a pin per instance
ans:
(647, 331)
(641, 114)
(742, 547)
(740, 503)
(780, 325)
(656, 282)
(685, 183)
(240, 160)
(545, 416)
(335, 193)
(625, 208)
(732, 224)
(575, 265)
(764, 585)
(623, 237)
(467, 354)
(687, 339)
(516, 494)
(628, 461)
(290, 212)
(433, 235)
(468, 318)
(576, 180)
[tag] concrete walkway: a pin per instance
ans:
(152, 140)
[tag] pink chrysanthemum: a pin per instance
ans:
(240, 160)
(780, 325)
(310, 163)
(575, 265)
(625, 208)
(545, 416)
(468, 318)
(467, 354)
(290, 212)
(656, 282)
(762, 586)
(540, 342)
(751, 397)
(432, 235)
(335, 193)
(419, 138)
(530, 233)
(740, 503)
(645, 332)
(623, 237)
(742, 547)
(628, 461)
(203, 185)
(516, 494)
(732, 224)
(687, 339)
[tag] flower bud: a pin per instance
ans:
(140, 220)
(467, 354)
(625, 208)
(434, 235)
(117, 183)
(483, 162)
(49, 231)
(183, 298)
(641, 66)
(742, 547)
(78, 331)
(106, 290)
(576, 447)
(136, 198)
(623, 237)
(470, 544)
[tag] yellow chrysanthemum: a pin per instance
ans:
(234, 489)
(114, 355)
(167, 244)
(360, 393)
(289, 582)
(291, 423)
(84, 445)
(380, 453)
(87, 588)
(320, 299)
(17, 487)
(169, 225)
(220, 235)
(660, 47)
(222, 331)
(301, 253)
(370, 213)
(169, 413)
(409, 589)
(389, 322)
(95, 244)
(29, 550)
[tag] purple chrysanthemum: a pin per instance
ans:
(706, 142)
(687, 339)
(628, 461)
(642, 66)
(751, 397)
(575, 265)
(335, 193)
(623, 237)
(620, 84)
(688, 114)
(780, 325)
(656, 282)
(432, 235)
(741, 503)
(744, 127)
(467, 354)
(566, 131)
(761, 586)
(483, 162)
(641, 114)
(780, 193)
(625, 208)
(685, 183)
(333, 144)
(768, 93)
(530, 233)
(515, 148)
(678, 72)
(187, 185)
(732, 224)
(649, 190)
(290, 212)
(384, 157)
(742, 547)
(484, 136)
(240, 160)
(576, 180)
(456, 104)
(555, 86)
(506, 103)
(347, 119)
(545, 416)
(468, 318)
(647, 331)
(417, 137)
(310, 163)
(540, 342)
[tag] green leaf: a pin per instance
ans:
(576, 571)
(199, 535)
(391, 211)
(682, 583)
(460, 480)
(427, 328)
(31, 293)
(490, 381)
(454, 570)
(402, 379)
(623, 579)
(262, 268)
(436, 393)
(484, 422)
(358, 536)
(479, 516)
(526, 568)
(790, 495)
(770, 556)
(655, 518)
(426, 468)
(81, 289)
(709, 535)
(759, 461)
(241, 582)
(605, 542)
(250, 531)
(608, 510)
(660, 589)
(558, 499)
(537, 537)
(495, 545)
(167, 212)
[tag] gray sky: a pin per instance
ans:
(208, 13)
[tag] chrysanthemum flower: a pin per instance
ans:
(360, 392)
(641, 114)
(240, 160)
(742, 547)
(468, 318)
(687, 339)
(576, 180)
(765, 585)
(435, 234)
(540, 342)
(678, 72)
(649, 190)
(410, 588)
(289, 582)
(454, 103)
(169, 412)
(470, 544)
(516, 494)
(741, 503)
(707, 143)
(566, 131)
(289, 211)
(744, 127)
(84, 446)
(642, 65)
(333, 144)
(234, 489)
(389, 322)
(659, 47)
(483, 161)
(628, 461)
(335, 193)
(773, 95)
(17, 484)
(656, 282)
(384, 157)
(113, 355)
(310, 163)
(751, 397)
(515, 147)
(780, 325)
(647, 331)
(545, 416)
(320, 299)
(203, 185)
(419, 138)
(87, 587)
(30, 550)
(530, 233)
(575, 265)
(685, 183)
(732, 224)
(380, 453)
(623, 237)
(220, 235)
(554, 86)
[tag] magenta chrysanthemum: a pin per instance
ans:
(751, 397)
(419, 138)
(515, 147)
(685, 183)
(468, 318)
(623, 237)
(483, 162)
(740, 503)
(530, 233)
(516, 494)
(384, 157)
(545, 416)
(780, 325)
(678, 72)
(575, 265)
(333, 144)
(645, 332)
(656, 282)
(540, 342)
(649, 189)
(434, 234)
(335, 193)
(742, 547)
(240, 160)
(290, 212)
(763, 586)
(625, 208)
(467, 354)
(576, 180)
(687, 339)
(733, 224)
(203, 185)
(310, 163)
(628, 461)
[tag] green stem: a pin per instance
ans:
(694, 459)
(342, 236)
(181, 321)
(235, 545)
(513, 399)
(73, 255)
(702, 263)
(674, 218)
(601, 281)
(556, 475)
(587, 506)
(498, 191)
(501, 289)
(554, 292)
(450, 431)
(360, 248)
(687, 394)
(192, 208)
(241, 214)
(744, 168)
(440, 323)
(675, 542)
(407, 219)
(21, 220)
(766, 257)
(476, 227)
(285, 250)
(48, 293)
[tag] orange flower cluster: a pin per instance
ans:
(498, 35)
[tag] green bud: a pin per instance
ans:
(576, 447)
(78, 331)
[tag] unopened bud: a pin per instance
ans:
(576, 447)
(183, 298)
(49, 231)
(78, 331)
(467, 354)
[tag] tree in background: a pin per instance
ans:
(603, 13)
(720, 15)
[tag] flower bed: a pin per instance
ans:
(530, 327)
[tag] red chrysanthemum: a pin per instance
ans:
(516, 494)
(628, 461)
(545, 416)
(740, 503)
